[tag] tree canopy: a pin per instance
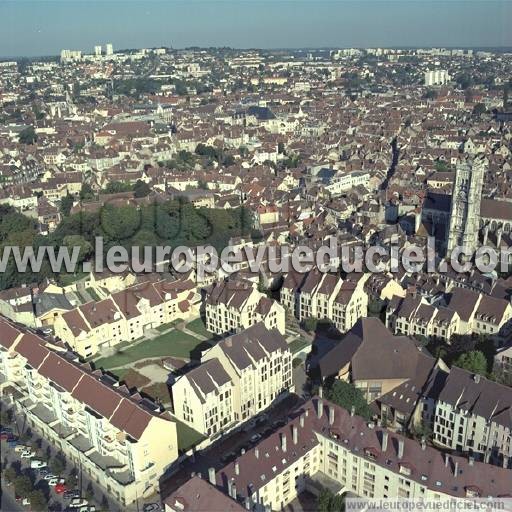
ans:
(347, 396)
(473, 361)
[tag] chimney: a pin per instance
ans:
(505, 461)
(456, 469)
(301, 420)
(283, 442)
(233, 490)
(230, 487)
(400, 448)
(237, 468)
(320, 407)
(352, 410)
(242, 451)
(423, 443)
(446, 459)
(211, 476)
(295, 434)
(384, 440)
(321, 392)
(248, 503)
(307, 413)
(471, 461)
(257, 453)
(331, 415)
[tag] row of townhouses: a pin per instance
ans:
(234, 305)
(324, 445)
(237, 379)
(408, 388)
(463, 312)
(326, 296)
(120, 440)
(126, 315)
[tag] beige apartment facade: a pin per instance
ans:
(126, 315)
(120, 443)
(259, 363)
(231, 306)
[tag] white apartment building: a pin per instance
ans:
(231, 306)
(344, 181)
(126, 315)
(259, 364)
(323, 445)
(436, 77)
(120, 441)
(204, 399)
(473, 415)
(326, 296)
(466, 312)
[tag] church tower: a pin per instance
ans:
(466, 198)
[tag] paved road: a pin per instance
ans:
(9, 504)
(216, 455)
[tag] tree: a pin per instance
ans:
(141, 189)
(117, 187)
(474, 362)
(6, 417)
(38, 501)
(310, 324)
(10, 475)
(23, 486)
(28, 135)
(347, 396)
(86, 193)
(479, 109)
(57, 465)
(72, 241)
(330, 502)
(66, 203)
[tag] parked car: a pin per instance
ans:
(60, 488)
(4, 436)
(28, 454)
(43, 472)
(49, 476)
(262, 418)
(151, 507)
(255, 438)
(78, 503)
(55, 481)
(6, 430)
(21, 448)
(12, 441)
(71, 493)
(37, 464)
(25, 502)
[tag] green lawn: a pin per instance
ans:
(165, 327)
(297, 345)
(93, 294)
(173, 344)
(198, 327)
(187, 436)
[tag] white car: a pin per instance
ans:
(28, 454)
(54, 481)
(49, 477)
(37, 464)
(25, 502)
(21, 448)
(78, 503)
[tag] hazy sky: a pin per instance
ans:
(41, 27)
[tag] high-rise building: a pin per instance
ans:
(109, 49)
(97, 50)
(437, 77)
(70, 55)
(465, 209)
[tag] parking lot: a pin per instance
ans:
(85, 488)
